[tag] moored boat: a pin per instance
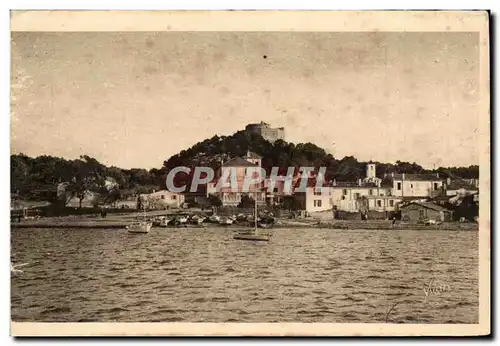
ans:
(226, 221)
(140, 227)
(253, 234)
(214, 218)
(163, 222)
(264, 225)
(241, 218)
(196, 219)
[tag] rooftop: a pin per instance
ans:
(238, 162)
(442, 198)
(461, 184)
(311, 182)
(354, 184)
(421, 177)
(428, 205)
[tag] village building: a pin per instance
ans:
(129, 202)
(276, 189)
(314, 199)
(370, 193)
(90, 198)
(383, 203)
(163, 199)
(21, 209)
(417, 185)
(425, 211)
(443, 200)
(253, 158)
(346, 196)
(461, 187)
(239, 167)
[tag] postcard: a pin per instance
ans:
(257, 173)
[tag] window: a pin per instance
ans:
(344, 191)
(379, 203)
(411, 186)
(317, 192)
(422, 213)
(317, 203)
(391, 202)
(275, 189)
(162, 196)
(399, 186)
(370, 192)
(174, 197)
(356, 195)
(435, 186)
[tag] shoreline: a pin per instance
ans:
(280, 224)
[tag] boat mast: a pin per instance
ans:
(255, 199)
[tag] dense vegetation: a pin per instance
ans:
(283, 154)
(38, 178)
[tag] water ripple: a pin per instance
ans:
(202, 275)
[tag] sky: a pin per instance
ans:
(133, 99)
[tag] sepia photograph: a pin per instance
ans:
(224, 170)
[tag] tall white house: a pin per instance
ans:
(417, 185)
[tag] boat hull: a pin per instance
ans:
(251, 237)
(142, 228)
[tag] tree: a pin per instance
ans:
(20, 174)
(246, 202)
(406, 167)
(214, 200)
(88, 176)
(292, 203)
(118, 175)
(113, 196)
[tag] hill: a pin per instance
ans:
(38, 178)
(284, 154)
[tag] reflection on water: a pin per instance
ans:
(203, 275)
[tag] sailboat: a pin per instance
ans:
(143, 226)
(253, 234)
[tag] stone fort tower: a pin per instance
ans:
(269, 133)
